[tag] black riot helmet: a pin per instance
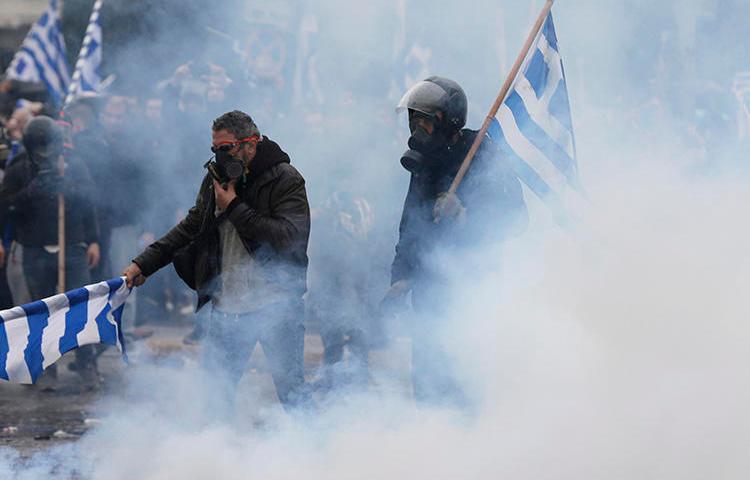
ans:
(438, 94)
(43, 140)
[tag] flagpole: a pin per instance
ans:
(501, 97)
(61, 230)
(82, 54)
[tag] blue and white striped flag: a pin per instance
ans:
(42, 55)
(36, 335)
(86, 77)
(534, 127)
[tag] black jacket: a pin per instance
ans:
(490, 192)
(29, 197)
(271, 215)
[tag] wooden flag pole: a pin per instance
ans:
(61, 230)
(501, 97)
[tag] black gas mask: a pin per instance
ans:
(424, 147)
(225, 167)
(423, 141)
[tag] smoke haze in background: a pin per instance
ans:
(617, 352)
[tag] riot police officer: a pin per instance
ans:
(487, 207)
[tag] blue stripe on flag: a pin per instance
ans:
(539, 138)
(537, 73)
(114, 286)
(54, 37)
(37, 315)
(42, 55)
(520, 167)
(4, 349)
(559, 106)
(75, 319)
(107, 332)
(549, 32)
(21, 66)
(85, 86)
(117, 314)
(52, 62)
(40, 69)
(93, 45)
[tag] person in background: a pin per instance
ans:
(123, 202)
(12, 251)
(30, 195)
(338, 297)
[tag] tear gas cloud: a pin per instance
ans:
(615, 351)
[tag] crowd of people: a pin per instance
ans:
(118, 187)
(127, 179)
(242, 243)
(126, 182)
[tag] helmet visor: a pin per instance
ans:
(425, 97)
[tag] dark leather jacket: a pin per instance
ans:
(491, 193)
(29, 198)
(271, 215)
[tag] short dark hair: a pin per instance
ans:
(239, 124)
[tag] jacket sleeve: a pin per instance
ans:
(495, 192)
(14, 190)
(408, 240)
(161, 252)
(33, 91)
(83, 190)
(287, 223)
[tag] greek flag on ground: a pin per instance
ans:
(42, 55)
(36, 335)
(534, 126)
(86, 76)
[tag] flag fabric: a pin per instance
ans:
(86, 77)
(534, 127)
(36, 335)
(41, 57)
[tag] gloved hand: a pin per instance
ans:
(449, 206)
(395, 298)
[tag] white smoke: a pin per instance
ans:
(616, 351)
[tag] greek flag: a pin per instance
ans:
(86, 76)
(42, 55)
(534, 127)
(36, 335)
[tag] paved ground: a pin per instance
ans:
(32, 419)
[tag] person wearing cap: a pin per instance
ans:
(436, 223)
(243, 248)
(29, 195)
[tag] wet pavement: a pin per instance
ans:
(34, 418)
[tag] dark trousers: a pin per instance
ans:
(335, 337)
(40, 269)
(230, 339)
(433, 377)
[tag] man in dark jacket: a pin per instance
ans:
(29, 195)
(487, 207)
(251, 228)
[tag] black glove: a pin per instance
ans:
(449, 206)
(395, 298)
